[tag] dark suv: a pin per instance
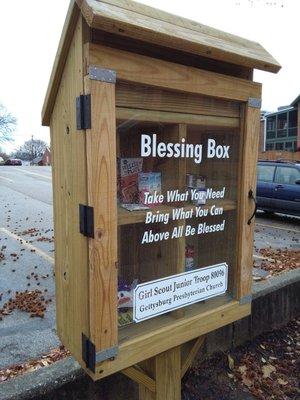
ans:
(278, 187)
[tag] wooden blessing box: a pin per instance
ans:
(154, 134)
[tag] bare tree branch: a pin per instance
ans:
(31, 149)
(7, 124)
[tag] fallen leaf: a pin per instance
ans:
(267, 370)
(230, 362)
(242, 369)
(282, 382)
(246, 381)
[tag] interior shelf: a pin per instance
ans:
(126, 217)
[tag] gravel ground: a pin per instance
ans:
(267, 368)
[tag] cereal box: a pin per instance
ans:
(149, 182)
(128, 172)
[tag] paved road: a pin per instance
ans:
(26, 203)
(276, 231)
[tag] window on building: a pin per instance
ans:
(281, 133)
(282, 121)
(270, 146)
(289, 145)
(270, 135)
(265, 173)
(287, 175)
(292, 132)
(293, 119)
(271, 123)
(279, 146)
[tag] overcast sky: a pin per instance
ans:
(30, 31)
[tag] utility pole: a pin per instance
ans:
(32, 155)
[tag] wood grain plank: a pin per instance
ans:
(247, 181)
(59, 61)
(165, 369)
(102, 186)
(168, 374)
(162, 52)
(151, 98)
(138, 347)
(138, 375)
(131, 114)
(149, 71)
(69, 190)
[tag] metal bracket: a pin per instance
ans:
(83, 111)
(91, 358)
(102, 74)
(246, 299)
(107, 354)
(86, 220)
(253, 102)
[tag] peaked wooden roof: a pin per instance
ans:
(130, 19)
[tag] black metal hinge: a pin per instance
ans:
(86, 220)
(88, 353)
(91, 357)
(83, 111)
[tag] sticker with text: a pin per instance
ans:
(158, 297)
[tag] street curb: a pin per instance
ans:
(270, 285)
(42, 381)
(47, 380)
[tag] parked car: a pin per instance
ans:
(278, 187)
(2, 162)
(13, 161)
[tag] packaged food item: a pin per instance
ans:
(128, 170)
(199, 197)
(125, 317)
(196, 184)
(125, 302)
(189, 257)
(149, 182)
(200, 182)
(125, 294)
(190, 180)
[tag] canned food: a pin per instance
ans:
(190, 180)
(189, 258)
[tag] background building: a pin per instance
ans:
(45, 159)
(262, 131)
(282, 128)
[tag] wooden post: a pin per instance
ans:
(102, 184)
(165, 368)
(249, 154)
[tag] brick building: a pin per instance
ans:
(45, 159)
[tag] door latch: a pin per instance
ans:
(251, 196)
